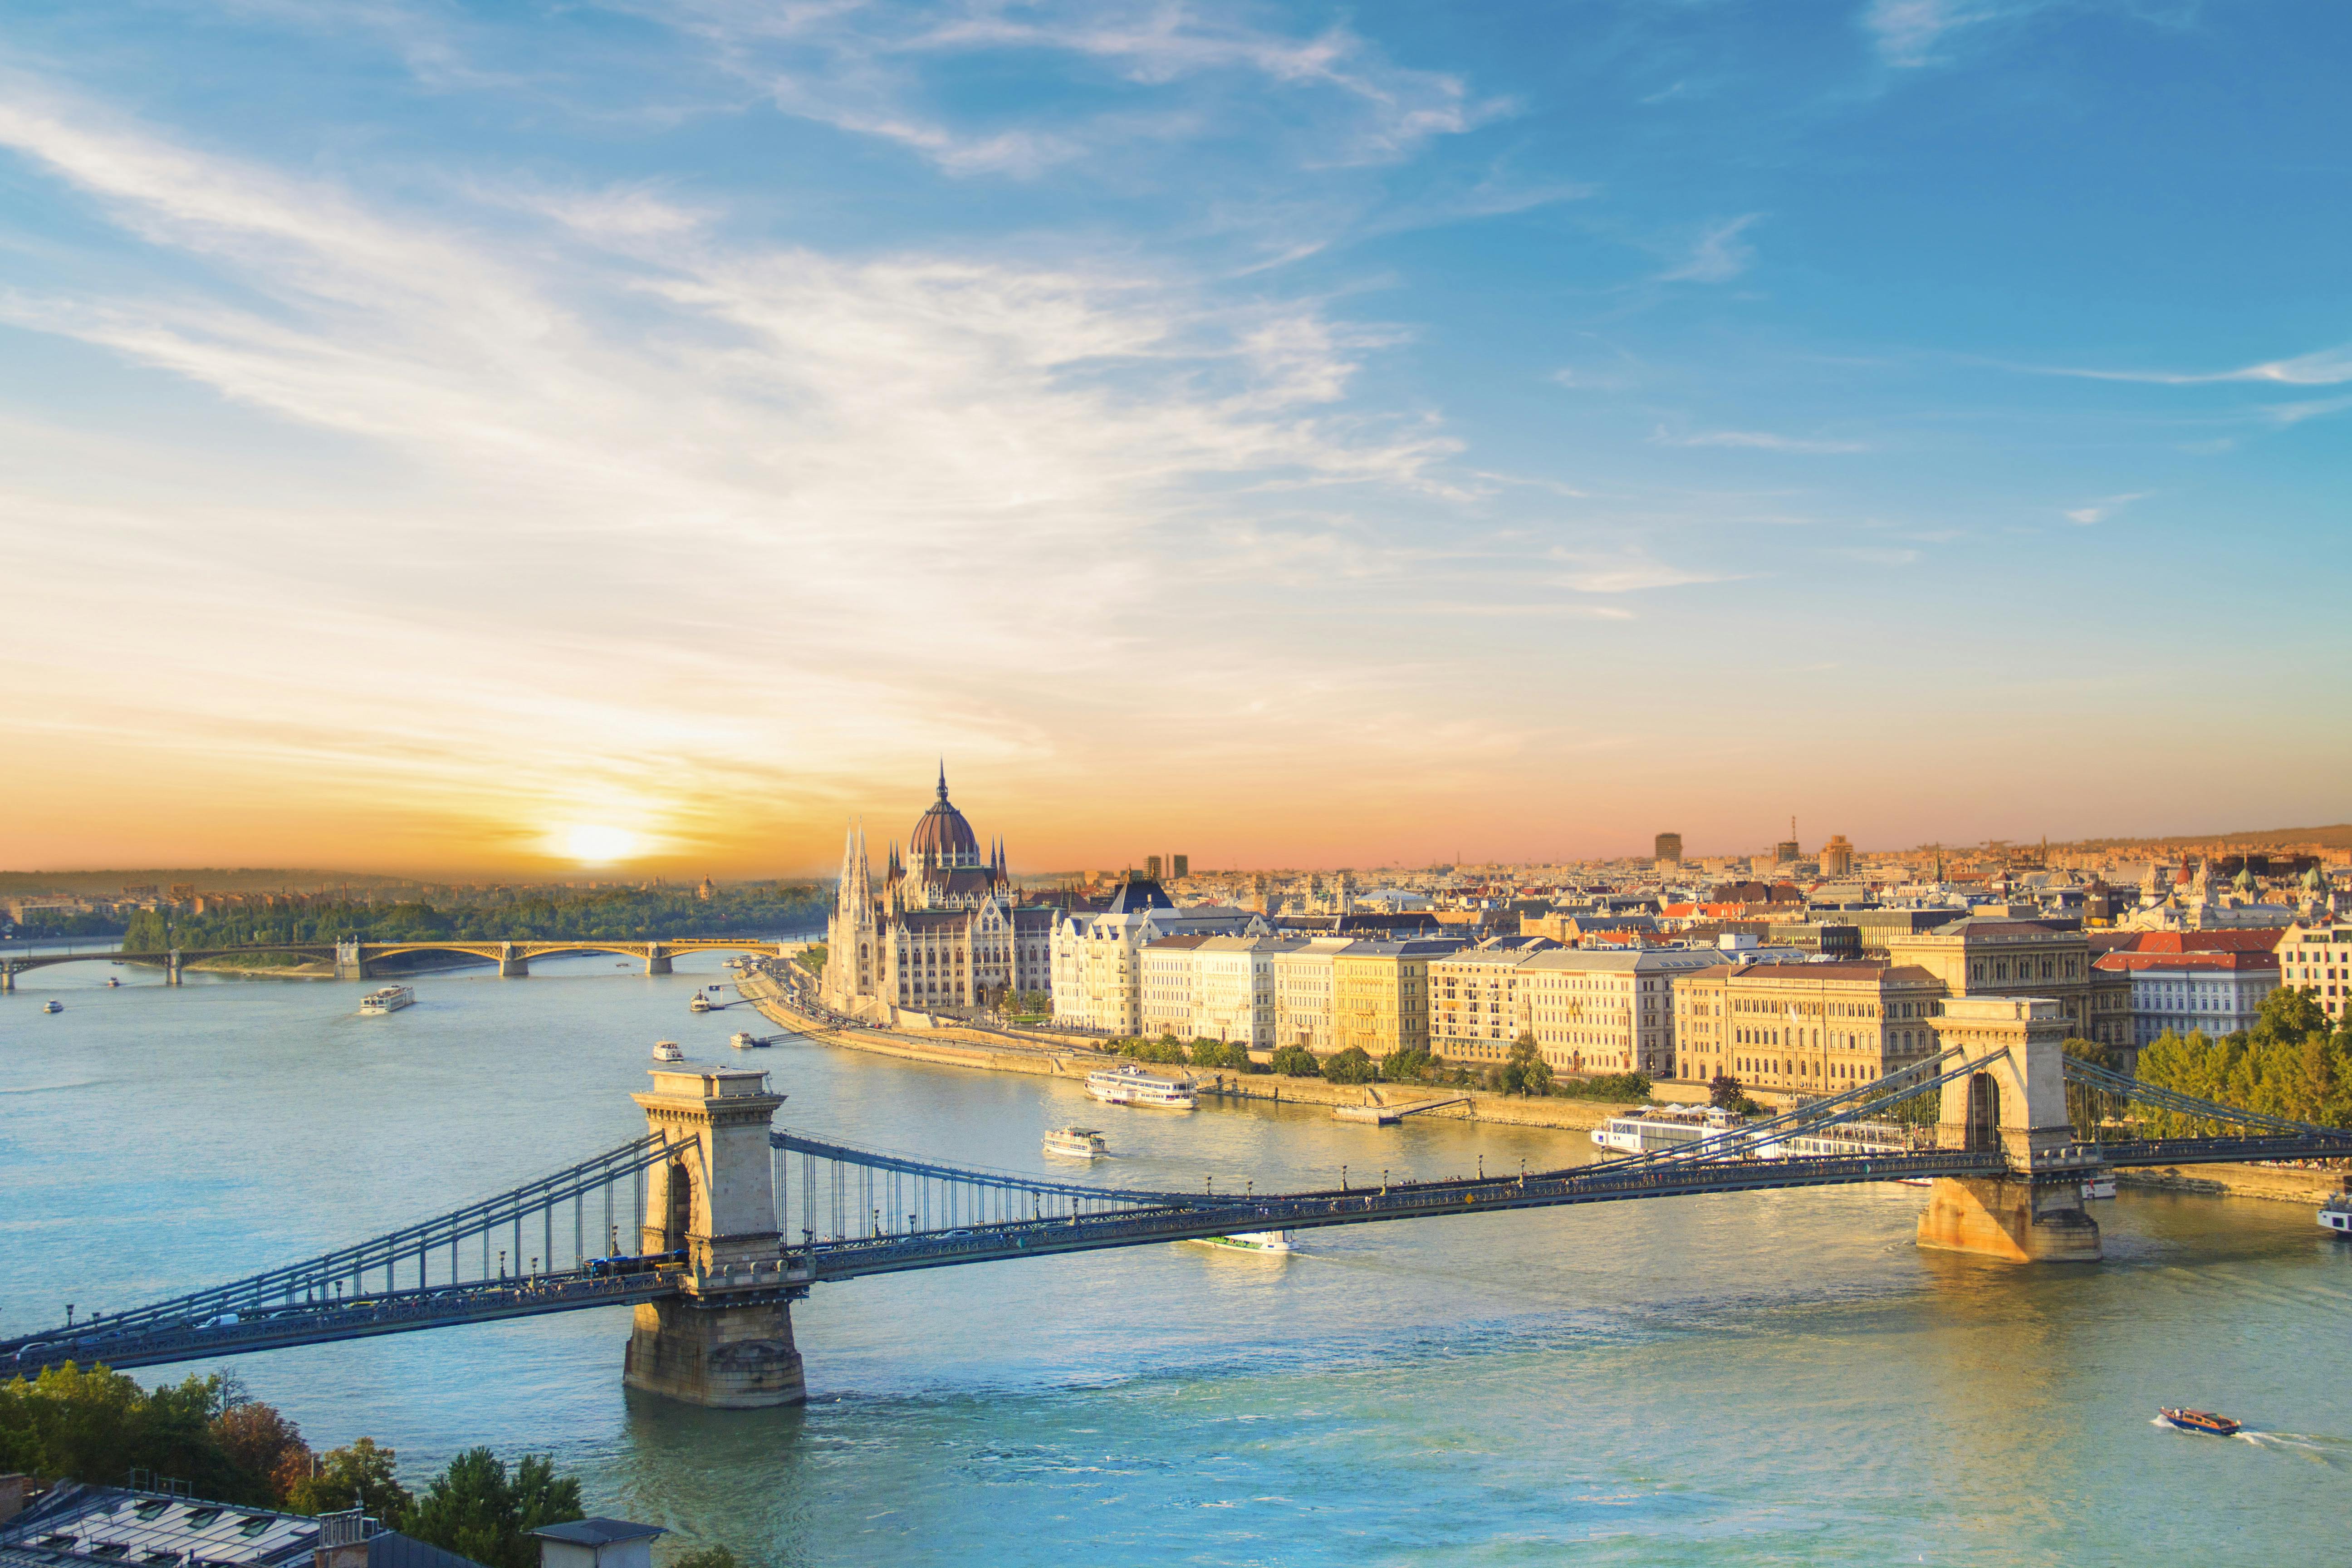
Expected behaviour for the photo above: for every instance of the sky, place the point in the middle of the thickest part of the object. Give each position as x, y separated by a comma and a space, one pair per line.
448, 437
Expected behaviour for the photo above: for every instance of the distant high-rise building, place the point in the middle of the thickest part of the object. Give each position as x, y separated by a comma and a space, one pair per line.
1180, 867
1151, 866
1837, 856
1670, 847
1785, 852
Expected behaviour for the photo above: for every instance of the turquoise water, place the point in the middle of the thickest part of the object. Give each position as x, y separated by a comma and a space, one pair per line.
1757, 1379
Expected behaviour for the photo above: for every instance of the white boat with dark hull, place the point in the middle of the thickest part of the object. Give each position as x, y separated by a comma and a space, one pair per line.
1076, 1143
1654, 1129
2336, 1214
1131, 1085
388, 999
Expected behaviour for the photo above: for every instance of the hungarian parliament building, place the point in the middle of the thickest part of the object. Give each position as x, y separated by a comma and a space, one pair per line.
942, 930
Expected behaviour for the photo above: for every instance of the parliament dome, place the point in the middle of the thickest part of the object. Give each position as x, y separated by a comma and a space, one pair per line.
941, 836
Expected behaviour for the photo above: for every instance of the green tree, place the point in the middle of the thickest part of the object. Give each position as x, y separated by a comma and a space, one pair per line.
1524, 1071
1350, 1066
1406, 1064
262, 1442
476, 1509
95, 1424
361, 1476
1296, 1061
1725, 1092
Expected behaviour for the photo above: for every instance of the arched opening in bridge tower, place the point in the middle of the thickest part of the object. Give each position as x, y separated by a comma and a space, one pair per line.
680, 1218
1984, 1115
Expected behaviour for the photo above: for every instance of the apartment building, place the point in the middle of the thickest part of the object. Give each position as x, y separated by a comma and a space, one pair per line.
1202, 986
1607, 1011
1380, 995
1477, 1009
1302, 993
2318, 958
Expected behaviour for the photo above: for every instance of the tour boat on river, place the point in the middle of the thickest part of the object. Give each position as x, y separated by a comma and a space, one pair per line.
2336, 1214
53, 1006
1130, 1085
1076, 1143
1274, 1242
388, 999
668, 1051
1654, 1128
2203, 1421
700, 1004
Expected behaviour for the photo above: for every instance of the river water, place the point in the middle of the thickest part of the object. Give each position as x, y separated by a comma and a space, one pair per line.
1755, 1379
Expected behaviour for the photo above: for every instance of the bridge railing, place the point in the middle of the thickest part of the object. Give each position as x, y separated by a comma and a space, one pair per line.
839, 1192
353, 1271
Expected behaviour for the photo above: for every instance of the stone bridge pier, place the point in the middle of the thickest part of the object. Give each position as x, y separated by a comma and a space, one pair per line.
348, 964
512, 964
656, 959
172, 968
724, 1339
2014, 1103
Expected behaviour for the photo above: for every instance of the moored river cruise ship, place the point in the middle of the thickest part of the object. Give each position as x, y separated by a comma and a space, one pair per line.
1130, 1085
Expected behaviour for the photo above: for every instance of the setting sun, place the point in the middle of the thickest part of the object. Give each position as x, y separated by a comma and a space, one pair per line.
594, 846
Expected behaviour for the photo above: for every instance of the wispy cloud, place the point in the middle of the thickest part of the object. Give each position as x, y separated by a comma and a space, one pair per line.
1720, 255
1627, 573
1906, 32
2100, 510
1757, 440
2324, 367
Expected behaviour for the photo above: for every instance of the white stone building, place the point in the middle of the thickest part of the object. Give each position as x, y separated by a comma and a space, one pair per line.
1096, 954
1203, 987
1597, 1011
2216, 993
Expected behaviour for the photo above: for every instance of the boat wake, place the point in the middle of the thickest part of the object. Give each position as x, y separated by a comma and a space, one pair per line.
2333, 1452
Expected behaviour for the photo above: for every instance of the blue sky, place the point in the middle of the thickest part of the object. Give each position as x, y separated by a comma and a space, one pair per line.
1364, 434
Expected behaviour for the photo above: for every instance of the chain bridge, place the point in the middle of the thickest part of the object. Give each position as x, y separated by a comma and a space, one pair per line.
358, 960
711, 1224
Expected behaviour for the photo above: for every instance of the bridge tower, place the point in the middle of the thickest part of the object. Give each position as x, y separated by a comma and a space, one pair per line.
2014, 1104
725, 1339
348, 964
172, 968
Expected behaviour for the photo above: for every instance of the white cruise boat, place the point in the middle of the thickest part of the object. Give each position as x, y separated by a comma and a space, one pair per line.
1131, 1085
1076, 1143
389, 999
700, 1004
1275, 1242
1654, 1128
2336, 1214
668, 1051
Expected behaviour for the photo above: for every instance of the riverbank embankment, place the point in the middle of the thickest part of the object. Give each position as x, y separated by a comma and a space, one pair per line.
975, 1049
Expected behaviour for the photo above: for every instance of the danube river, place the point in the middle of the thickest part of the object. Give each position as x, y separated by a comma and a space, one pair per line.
1774, 1378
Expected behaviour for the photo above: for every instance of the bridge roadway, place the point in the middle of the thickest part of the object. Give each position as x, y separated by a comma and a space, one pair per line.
145, 1342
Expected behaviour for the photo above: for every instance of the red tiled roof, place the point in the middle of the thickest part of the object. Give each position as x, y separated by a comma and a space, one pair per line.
2229, 961
2263, 940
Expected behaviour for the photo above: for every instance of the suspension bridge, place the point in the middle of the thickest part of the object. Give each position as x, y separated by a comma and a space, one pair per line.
711, 1224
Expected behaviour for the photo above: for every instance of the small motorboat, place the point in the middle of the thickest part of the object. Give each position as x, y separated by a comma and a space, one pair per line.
700, 1004
114, 983
53, 1006
668, 1051
1076, 1143
2203, 1421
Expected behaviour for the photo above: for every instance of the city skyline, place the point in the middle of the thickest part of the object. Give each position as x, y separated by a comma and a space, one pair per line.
442, 441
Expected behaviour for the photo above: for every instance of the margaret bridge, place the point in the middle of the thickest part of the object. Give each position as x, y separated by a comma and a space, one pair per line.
714, 1222
358, 960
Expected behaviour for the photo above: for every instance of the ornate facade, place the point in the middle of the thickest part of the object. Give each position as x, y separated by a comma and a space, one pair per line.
942, 931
